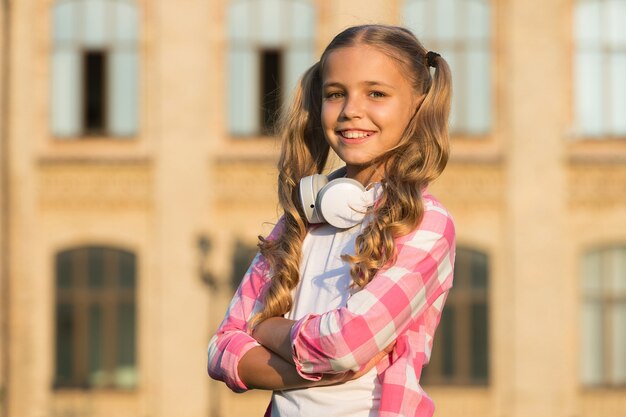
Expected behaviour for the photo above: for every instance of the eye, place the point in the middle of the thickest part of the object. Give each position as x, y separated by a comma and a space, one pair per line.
333, 95
377, 94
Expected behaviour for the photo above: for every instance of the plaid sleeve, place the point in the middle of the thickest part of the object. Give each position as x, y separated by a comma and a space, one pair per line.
232, 339
348, 337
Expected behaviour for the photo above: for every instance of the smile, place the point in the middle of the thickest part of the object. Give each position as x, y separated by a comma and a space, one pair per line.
354, 134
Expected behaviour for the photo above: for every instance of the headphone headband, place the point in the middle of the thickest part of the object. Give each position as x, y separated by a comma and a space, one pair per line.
338, 173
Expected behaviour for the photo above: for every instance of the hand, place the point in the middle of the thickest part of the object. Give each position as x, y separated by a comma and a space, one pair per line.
335, 379
373, 362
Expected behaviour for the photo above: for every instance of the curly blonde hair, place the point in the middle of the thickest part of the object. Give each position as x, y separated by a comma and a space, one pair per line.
419, 158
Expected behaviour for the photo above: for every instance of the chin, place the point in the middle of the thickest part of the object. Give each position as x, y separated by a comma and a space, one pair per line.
357, 160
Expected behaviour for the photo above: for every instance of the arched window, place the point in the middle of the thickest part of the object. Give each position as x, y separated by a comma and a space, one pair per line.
599, 68
95, 318
95, 68
459, 30
603, 317
271, 45
460, 354
243, 255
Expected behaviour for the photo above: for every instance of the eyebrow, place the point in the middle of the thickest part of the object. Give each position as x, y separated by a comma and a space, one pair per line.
368, 83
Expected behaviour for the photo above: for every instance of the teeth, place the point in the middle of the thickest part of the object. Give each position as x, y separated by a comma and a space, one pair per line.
354, 135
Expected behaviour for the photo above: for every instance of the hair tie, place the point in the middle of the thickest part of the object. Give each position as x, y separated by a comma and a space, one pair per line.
430, 58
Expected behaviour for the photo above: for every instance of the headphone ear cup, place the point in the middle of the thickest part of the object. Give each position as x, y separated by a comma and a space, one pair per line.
309, 189
342, 202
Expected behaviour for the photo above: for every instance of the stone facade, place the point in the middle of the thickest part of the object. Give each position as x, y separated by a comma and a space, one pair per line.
527, 194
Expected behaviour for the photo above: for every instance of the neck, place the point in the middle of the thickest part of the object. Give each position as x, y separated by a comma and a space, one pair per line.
364, 174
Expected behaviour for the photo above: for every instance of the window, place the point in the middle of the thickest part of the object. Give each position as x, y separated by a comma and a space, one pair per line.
271, 76
94, 68
460, 353
603, 317
270, 47
95, 318
242, 258
599, 68
459, 30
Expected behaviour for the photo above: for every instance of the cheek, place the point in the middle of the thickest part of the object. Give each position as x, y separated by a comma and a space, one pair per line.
326, 116
327, 124
389, 116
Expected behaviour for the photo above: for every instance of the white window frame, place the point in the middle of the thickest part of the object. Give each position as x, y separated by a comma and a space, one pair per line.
111, 26
599, 66
459, 30
254, 26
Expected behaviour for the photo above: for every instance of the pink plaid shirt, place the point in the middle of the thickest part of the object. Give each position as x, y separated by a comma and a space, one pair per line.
403, 303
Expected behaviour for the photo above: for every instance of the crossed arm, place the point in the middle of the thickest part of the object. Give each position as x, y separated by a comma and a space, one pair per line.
271, 365
262, 359
261, 368
341, 344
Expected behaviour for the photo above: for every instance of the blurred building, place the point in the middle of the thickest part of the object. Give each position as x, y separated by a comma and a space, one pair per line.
137, 169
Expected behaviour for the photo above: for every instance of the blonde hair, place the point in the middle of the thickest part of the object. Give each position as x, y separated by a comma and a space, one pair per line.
419, 158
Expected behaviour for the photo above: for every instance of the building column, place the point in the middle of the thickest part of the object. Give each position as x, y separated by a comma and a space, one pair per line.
536, 79
4, 190
184, 66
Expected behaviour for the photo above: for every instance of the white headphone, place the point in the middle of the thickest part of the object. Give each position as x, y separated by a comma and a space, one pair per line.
339, 201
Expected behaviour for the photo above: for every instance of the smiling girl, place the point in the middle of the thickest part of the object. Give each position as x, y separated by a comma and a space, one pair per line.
338, 318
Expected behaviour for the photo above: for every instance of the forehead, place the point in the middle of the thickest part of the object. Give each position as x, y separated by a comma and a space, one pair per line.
362, 63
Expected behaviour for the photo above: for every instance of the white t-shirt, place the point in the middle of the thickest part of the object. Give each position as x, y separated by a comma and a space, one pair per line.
325, 285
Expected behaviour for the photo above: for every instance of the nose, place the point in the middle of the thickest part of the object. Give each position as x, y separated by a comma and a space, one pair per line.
352, 108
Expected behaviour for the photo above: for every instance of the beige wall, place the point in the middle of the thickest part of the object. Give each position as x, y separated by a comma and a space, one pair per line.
3, 214
527, 194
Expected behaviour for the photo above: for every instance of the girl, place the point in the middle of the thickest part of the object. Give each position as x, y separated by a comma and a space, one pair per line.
340, 321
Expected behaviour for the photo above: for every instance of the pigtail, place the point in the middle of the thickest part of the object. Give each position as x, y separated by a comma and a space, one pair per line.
304, 152
432, 119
